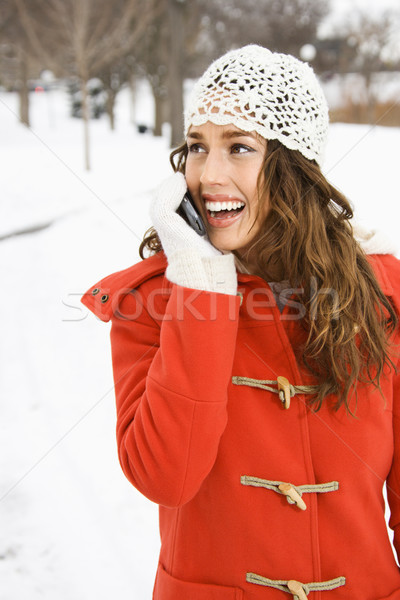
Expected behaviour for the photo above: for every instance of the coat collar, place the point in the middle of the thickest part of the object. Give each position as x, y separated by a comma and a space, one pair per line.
98, 297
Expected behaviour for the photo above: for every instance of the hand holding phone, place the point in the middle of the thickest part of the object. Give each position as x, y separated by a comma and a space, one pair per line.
189, 212
172, 229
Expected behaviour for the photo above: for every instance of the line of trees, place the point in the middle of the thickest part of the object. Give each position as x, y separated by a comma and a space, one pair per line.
165, 41
75, 38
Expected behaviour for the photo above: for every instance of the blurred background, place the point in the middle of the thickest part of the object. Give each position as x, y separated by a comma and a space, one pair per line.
91, 100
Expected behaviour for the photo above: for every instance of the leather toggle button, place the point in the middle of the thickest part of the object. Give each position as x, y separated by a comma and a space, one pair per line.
104, 298
297, 589
288, 490
95, 291
284, 387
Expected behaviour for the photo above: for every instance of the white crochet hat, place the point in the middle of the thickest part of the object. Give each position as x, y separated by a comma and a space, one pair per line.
276, 95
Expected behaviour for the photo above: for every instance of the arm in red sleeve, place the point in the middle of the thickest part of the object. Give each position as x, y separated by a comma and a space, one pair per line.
393, 482
171, 387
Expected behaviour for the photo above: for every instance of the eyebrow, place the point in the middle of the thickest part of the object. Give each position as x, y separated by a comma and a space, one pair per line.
230, 133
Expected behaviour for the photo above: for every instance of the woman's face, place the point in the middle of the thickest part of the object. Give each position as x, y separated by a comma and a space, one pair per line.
222, 169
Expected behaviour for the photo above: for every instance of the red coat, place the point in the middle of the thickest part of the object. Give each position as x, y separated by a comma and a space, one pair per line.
213, 453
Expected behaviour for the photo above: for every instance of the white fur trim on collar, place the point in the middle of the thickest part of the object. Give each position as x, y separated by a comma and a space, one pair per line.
372, 241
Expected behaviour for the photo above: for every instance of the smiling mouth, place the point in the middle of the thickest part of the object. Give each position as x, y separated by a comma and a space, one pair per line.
224, 210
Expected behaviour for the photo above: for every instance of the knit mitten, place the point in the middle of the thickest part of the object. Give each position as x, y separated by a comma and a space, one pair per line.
193, 261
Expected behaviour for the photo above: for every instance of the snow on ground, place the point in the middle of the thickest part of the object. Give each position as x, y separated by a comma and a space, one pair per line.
71, 526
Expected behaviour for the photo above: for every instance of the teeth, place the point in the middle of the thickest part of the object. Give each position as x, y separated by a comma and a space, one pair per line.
217, 206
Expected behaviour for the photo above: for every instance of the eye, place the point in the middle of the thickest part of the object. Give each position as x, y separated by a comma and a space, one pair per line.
195, 148
240, 149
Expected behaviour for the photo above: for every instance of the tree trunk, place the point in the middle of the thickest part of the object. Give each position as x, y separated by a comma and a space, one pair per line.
23, 89
132, 103
85, 119
175, 70
370, 99
111, 96
159, 105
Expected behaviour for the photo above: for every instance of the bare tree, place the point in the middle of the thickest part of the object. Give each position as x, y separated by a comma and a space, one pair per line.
175, 68
164, 58
153, 64
17, 60
280, 25
364, 46
82, 38
369, 35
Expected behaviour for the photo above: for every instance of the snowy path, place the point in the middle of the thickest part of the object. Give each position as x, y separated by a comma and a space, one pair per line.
71, 526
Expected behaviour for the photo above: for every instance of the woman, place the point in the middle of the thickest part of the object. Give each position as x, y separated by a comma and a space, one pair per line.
255, 369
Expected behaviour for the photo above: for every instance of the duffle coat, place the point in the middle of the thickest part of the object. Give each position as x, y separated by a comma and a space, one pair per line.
261, 498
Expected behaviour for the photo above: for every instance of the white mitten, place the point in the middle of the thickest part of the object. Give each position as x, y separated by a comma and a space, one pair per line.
193, 261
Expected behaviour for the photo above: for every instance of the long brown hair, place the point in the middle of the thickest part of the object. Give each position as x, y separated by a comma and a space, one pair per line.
308, 232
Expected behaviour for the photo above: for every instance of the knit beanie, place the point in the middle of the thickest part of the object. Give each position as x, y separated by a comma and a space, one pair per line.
276, 95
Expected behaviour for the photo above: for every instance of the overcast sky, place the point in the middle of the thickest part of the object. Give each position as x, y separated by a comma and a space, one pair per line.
340, 6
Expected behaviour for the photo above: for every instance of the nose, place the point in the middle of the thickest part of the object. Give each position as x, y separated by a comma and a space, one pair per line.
214, 170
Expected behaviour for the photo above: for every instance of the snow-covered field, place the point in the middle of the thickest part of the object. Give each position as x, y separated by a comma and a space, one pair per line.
71, 526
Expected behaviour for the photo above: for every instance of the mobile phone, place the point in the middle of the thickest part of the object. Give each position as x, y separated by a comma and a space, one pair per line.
189, 212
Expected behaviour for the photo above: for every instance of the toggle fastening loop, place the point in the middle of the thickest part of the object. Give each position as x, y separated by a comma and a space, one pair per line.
292, 492
295, 587
284, 388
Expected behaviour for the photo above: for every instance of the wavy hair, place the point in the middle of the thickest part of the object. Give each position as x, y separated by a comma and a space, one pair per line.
308, 232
